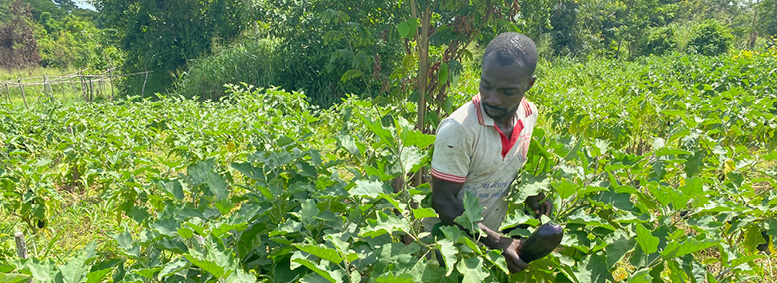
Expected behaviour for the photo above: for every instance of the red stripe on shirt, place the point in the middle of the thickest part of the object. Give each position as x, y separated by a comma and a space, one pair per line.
476, 102
448, 177
527, 108
508, 144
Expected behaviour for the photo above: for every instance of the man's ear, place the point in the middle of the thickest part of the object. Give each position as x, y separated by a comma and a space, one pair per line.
531, 82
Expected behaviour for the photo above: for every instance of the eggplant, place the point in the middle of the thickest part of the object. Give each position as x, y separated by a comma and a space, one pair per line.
542, 242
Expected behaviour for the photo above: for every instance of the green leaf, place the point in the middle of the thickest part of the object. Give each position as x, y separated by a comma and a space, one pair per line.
771, 156
172, 187
350, 74
166, 226
207, 265
309, 211
404, 29
472, 213
255, 173
694, 164
172, 267
384, 223
298, 259
412, 137
472, 269
753, 238
646, 241
531, 186
594, 270
641, 276
449, 252
321, 252
691, 245
410, 157
745, 259
496, 258
370, 189
98, 276
442, 74
202, 172
565, 188
658, 143
139, 214
14, 278
75, 269
617, 249
693, 188
424, 212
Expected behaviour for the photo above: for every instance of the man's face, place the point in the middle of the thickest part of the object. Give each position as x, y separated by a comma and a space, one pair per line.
502, 87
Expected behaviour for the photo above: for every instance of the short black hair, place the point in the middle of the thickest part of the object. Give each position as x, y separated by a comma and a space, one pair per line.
511, 47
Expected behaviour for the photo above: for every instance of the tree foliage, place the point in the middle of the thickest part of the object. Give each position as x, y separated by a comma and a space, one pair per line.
17, 41
710, 38
161, 36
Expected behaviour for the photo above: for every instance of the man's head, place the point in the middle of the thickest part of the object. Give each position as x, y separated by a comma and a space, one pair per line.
508, 73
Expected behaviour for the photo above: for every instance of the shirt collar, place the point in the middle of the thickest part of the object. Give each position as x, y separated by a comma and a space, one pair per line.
523, 111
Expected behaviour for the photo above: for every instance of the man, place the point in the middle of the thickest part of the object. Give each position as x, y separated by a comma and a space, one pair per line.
483, 144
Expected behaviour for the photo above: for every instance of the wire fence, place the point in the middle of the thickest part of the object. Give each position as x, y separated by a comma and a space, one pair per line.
86, 86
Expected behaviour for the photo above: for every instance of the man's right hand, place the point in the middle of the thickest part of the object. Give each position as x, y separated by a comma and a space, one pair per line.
510, 252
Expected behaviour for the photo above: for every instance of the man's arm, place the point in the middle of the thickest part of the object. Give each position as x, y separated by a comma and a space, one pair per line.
448, 207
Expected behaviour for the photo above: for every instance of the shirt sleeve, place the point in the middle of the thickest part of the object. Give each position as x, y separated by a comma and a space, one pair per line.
452, 152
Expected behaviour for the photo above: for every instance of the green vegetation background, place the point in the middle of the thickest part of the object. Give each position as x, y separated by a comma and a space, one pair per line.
657, 142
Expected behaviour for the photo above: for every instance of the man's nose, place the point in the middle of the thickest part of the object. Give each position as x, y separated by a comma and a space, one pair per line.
492, 99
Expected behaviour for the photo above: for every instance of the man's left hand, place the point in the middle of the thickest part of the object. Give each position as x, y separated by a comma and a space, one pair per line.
539, 207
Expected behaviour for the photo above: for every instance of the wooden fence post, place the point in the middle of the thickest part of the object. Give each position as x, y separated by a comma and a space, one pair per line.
7, 93
21, 247
48, 85
143, 90
102, 84
91, 90
83, 89
19, 80
110, 80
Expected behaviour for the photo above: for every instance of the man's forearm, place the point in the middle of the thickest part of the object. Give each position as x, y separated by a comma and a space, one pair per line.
493, 239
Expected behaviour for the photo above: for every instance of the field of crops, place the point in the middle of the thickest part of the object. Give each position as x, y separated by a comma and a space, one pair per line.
661, 169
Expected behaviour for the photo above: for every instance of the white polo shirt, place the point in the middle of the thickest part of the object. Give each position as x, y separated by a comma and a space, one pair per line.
471, 150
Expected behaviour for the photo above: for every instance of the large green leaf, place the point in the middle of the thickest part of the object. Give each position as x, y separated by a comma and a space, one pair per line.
298, 259
172, 187
646, 241
371, 189
530, 186
641, 276
202, 172
172, 267
98, 276
565, 188
448, 252
472, 270
384, 223
208, 265
76, 269
321, 252
678, 249
617, 249
472, 213
753, 238
14, 278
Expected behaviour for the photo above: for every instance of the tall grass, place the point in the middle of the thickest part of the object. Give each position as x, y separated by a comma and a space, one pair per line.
251, 62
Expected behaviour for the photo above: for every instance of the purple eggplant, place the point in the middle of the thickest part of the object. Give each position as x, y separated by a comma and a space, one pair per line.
541, 243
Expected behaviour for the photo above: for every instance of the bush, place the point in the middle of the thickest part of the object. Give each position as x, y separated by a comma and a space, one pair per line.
710, 38
660, 41
253, 63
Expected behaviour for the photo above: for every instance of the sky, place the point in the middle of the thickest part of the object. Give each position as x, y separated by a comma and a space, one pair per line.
82, 4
